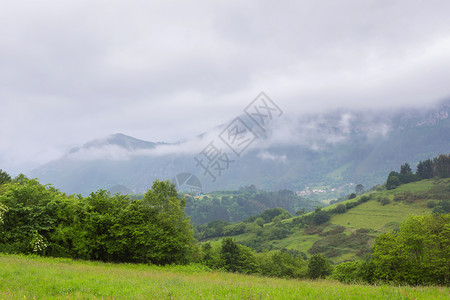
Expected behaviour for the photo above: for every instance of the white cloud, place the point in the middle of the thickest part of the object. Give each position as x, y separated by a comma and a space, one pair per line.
265, 155
72, 71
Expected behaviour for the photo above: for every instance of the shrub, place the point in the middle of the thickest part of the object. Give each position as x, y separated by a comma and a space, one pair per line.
363, 199
319, 266
393, 180
341, 208
40, 219
385, 201
431, 204
235, 229
348, 272
237, 258
282, 264
321, 217
349, 205
417, 254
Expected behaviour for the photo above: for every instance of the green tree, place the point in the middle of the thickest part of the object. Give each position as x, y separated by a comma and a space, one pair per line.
359, 188
393, 180
405, 169
301, 212
174, 237
319, 266
4, 177
425, 169
354, 271
442, 166
230, 256
39, 219
348, 272
208, 256
282, 264
30, 212
237, 258
417, 254
341, 208
321, 217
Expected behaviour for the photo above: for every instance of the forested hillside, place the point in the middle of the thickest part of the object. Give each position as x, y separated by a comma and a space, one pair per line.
234, 206
324, 151
348, 228
397, 233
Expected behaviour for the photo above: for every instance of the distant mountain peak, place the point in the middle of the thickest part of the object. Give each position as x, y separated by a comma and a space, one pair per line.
121, 140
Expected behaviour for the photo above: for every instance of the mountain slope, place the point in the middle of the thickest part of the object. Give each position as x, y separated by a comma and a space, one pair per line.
327, 150
348, 235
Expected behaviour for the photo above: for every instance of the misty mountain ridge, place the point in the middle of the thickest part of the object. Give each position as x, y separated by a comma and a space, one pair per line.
328, 149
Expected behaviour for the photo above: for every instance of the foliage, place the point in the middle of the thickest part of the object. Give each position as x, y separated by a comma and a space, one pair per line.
393, 180
4, 177
417, 254
438, 166
354, 271
222, 228
282, 264
40, 219
321, 217
341, 208
347, 272
235, 206
319, 266
359, 189
237, 258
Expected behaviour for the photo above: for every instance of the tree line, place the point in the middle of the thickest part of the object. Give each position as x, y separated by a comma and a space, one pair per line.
436, 167
39, 219
235, 206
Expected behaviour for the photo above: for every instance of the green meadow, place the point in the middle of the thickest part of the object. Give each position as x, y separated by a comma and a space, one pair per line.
31, 277
373, 216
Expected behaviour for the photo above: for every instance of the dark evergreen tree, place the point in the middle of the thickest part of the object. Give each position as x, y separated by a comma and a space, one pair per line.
425, 169
406, 175
229, 255
405, 169
4, 177
442, 166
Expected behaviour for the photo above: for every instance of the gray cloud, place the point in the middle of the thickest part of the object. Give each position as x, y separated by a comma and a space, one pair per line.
72, 71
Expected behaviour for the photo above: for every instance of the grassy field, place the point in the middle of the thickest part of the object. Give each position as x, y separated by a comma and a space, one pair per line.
24, 277
369, 215
376, 216
381, 217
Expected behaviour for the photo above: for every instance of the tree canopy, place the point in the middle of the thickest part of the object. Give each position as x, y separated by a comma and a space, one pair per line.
40, 219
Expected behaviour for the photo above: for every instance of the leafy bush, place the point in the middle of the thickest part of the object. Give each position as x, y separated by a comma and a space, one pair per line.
237, 258
235, 229
349, 205
321, 217
282, 264
431, 204
417, 254
363, 199
40, 219
348, 272
385, 201
341, 208
393, 180
319, 266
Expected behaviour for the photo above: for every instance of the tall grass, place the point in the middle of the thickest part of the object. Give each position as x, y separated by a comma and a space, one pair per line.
28, 277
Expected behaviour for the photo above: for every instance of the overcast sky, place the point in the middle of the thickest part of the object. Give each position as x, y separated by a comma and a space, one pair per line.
72, 71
